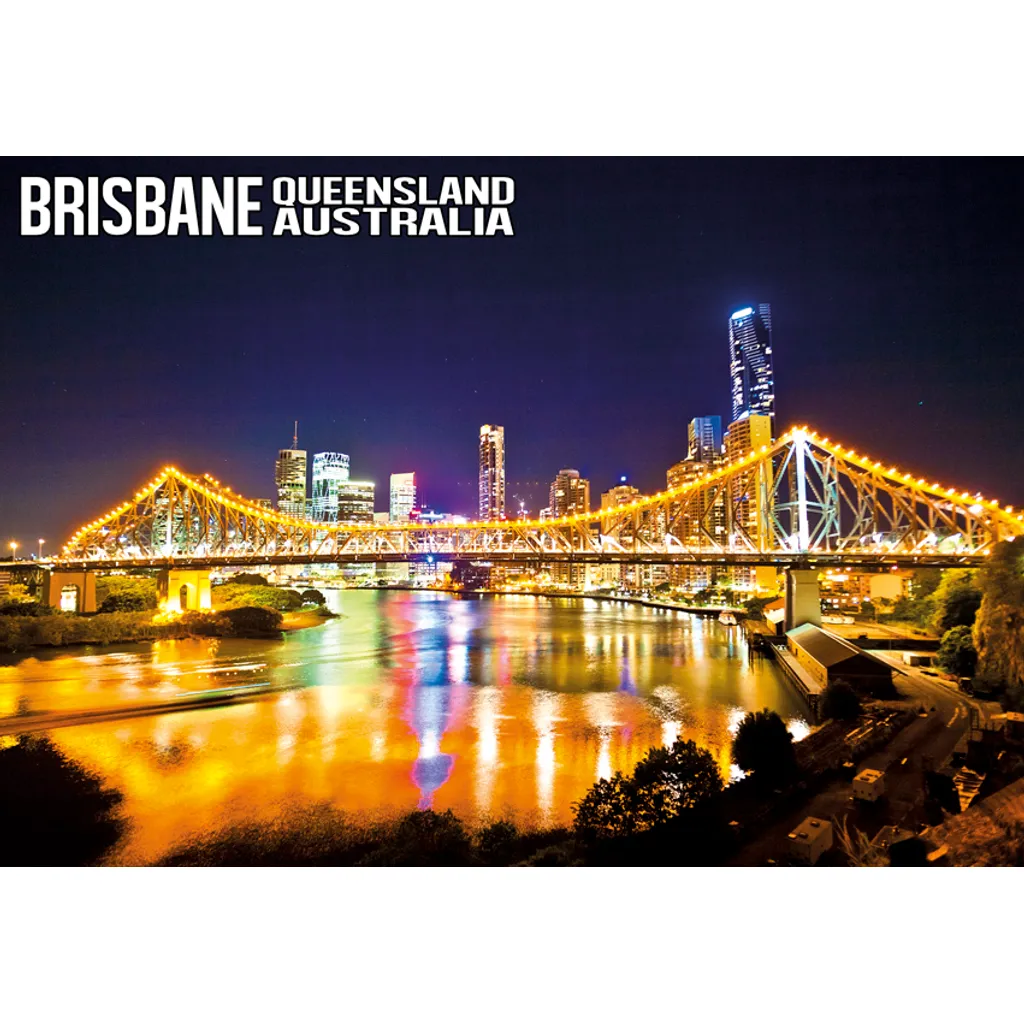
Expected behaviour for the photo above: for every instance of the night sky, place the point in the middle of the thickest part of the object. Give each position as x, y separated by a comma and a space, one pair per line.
593, 335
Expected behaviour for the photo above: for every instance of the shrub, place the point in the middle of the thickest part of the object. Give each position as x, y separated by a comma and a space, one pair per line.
53, 811
251, 621
424, 839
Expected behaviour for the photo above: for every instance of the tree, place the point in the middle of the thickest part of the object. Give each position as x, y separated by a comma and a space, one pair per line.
956, 653
312, 596
250, 579
868, 608
754, 606
999, 627
670, 781
606, 810
840, 701
956, 600
126, 593
53, 811
764, 745
667, 783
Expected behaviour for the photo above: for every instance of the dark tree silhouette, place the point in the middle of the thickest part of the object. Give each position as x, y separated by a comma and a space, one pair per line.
52, 812
667, 783
763, 745
840, 701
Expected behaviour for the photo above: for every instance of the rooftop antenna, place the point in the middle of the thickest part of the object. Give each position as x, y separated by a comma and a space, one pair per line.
295, 437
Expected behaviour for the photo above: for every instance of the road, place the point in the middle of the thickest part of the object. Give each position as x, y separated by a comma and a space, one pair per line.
927, 740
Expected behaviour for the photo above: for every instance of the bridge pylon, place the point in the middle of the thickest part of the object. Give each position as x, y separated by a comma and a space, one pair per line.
184, 590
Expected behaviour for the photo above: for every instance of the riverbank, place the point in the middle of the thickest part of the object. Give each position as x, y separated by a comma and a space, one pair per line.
706, 610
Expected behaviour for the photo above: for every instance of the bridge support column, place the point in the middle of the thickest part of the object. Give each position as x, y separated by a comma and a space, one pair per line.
70, 591
803, 598
184, 590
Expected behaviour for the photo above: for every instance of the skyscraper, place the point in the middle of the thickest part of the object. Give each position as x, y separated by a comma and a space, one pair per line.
750, 362
492, 472
330, 470
704, 439
355, 501
290, 478
569, 494
403, 496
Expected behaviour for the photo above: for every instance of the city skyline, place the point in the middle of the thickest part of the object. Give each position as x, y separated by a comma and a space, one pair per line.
594, 336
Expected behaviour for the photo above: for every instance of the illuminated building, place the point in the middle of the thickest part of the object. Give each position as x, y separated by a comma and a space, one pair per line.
330, 470
403, 496
492, 472
290, 478
623, 494
704, 439
750, 362
355, 501
745, 435
569, 496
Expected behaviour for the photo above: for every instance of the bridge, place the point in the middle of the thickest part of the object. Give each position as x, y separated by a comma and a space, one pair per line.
803, 503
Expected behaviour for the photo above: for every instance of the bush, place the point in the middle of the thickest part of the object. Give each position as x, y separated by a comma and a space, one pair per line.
30, 609
250, 579
232, 595
497, 842
763, 745
53, 811
424, 839
126, 593
956, 653
840, 701
251, 621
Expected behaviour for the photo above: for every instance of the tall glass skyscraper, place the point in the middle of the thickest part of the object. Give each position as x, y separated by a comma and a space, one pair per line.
750, 362
492, 472
290, 478
330, 471
704, 439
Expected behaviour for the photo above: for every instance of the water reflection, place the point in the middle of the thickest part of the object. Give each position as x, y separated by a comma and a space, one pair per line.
490, 706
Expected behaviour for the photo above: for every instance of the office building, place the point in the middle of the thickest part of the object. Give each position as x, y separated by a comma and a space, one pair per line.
290, 478
569, 494
750, 362
403, 496
696, 521
355, 501
623, 494
704, 439
492, 472
330, 470
747, 434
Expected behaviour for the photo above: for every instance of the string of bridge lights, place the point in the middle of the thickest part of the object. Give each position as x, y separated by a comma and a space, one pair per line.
224, 495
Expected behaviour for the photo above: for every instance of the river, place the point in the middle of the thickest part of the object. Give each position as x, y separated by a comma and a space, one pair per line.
493, 706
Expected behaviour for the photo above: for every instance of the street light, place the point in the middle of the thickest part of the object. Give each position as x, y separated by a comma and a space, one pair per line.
41, 543
14, 550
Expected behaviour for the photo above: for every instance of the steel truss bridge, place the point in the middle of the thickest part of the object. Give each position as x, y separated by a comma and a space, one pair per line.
803, 501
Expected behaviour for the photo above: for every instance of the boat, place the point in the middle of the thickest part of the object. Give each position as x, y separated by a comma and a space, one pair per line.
727, 618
